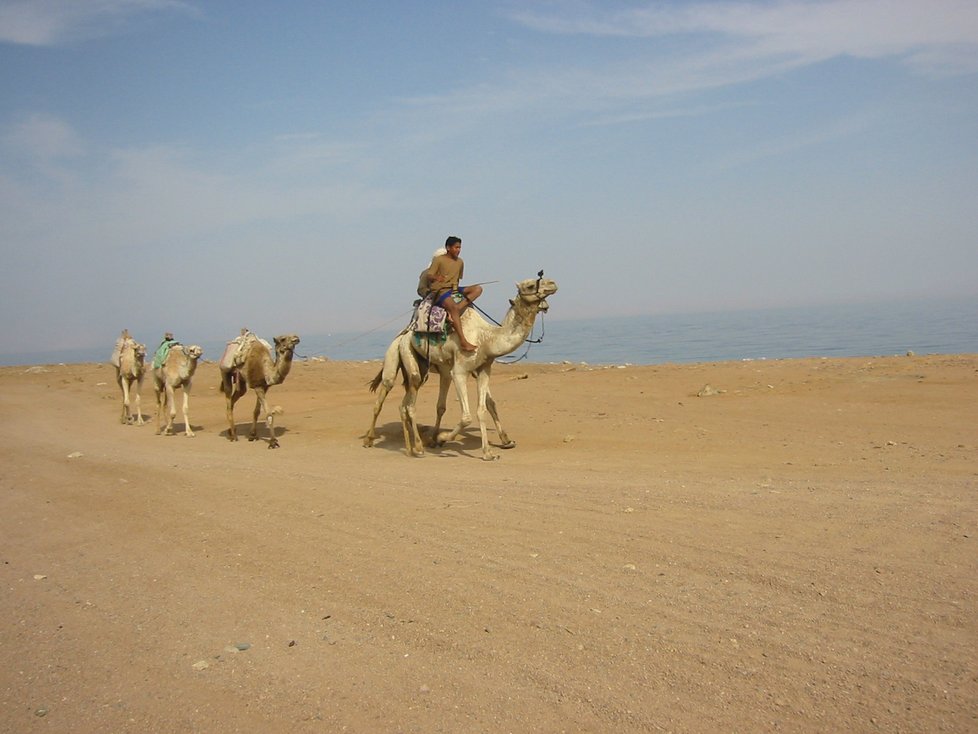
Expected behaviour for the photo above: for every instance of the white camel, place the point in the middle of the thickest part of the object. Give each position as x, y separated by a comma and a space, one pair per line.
177, 371
411, 354
128, 360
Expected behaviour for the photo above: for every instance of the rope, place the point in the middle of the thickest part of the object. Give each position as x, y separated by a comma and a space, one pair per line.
369, 331
528, 341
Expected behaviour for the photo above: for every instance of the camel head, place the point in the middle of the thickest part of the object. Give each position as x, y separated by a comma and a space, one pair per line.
286, 343
535, 291
193, 352
139, 350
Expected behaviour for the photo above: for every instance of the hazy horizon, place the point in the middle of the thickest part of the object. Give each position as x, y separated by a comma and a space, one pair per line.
197, 167
854, 328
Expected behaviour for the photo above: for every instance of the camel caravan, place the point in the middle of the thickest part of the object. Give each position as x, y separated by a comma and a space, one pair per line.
431, 341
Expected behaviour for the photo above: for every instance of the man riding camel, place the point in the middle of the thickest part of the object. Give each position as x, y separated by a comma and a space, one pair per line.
443, 279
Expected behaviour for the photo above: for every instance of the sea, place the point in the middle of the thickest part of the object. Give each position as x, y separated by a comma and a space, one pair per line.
852, 330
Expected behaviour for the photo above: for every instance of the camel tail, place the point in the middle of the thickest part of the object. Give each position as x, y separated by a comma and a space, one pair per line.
375, 383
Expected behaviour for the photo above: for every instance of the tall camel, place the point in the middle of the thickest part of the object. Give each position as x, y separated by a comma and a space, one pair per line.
254, 368
412, 355
177, 371
128, 360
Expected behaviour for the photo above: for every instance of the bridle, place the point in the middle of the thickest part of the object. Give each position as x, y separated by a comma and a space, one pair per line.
536, 297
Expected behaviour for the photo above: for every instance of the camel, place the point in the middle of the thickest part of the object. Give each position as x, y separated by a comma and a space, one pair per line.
253, 367
127, 358
176, 371
412, 356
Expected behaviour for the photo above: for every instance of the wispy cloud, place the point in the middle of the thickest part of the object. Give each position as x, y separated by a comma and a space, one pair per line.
680, 49
938, 35
795, 141
42, 137
55, 22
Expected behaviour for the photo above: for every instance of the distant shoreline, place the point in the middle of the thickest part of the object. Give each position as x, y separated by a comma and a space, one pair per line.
922, 327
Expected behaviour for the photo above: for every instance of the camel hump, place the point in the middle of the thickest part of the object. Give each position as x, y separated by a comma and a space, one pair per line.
237, 349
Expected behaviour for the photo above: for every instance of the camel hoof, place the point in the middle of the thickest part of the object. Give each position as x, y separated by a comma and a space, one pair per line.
252, 438
508, 445
273, 444
489, 456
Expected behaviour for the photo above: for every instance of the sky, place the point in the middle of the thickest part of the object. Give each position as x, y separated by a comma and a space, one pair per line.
199, 166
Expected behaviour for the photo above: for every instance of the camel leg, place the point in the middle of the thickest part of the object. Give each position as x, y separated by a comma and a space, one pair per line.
371, 436
233, 389
505, 441
124, 384
458, 378
171, 405
392, 360
139, 407
259, 405
409, 423
186, 411
482, 381
270, 422
412, 445
160, 407
444, 382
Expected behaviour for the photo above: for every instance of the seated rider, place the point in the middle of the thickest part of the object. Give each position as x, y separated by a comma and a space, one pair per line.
443, 278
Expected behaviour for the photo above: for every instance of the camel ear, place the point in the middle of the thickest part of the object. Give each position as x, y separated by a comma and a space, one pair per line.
512, 302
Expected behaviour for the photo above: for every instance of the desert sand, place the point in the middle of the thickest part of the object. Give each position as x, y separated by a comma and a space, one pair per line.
746, 546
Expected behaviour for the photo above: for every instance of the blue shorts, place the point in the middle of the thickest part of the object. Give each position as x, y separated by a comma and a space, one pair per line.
456, 296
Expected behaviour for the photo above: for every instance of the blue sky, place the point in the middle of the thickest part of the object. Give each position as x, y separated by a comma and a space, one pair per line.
202, 166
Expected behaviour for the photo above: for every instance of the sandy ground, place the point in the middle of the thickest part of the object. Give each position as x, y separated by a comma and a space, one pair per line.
797, 551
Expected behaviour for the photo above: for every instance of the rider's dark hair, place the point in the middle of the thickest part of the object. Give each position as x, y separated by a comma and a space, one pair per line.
453, 240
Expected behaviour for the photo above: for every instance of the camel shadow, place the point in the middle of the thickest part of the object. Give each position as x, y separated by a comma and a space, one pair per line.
242, 429
390, 437
179, 429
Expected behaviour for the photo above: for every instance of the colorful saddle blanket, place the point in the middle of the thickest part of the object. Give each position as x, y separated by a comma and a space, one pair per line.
429, 318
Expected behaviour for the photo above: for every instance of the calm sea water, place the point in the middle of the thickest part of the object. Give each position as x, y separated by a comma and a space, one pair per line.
924, 327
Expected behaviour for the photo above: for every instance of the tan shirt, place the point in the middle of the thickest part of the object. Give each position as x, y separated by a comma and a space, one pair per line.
450, 270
